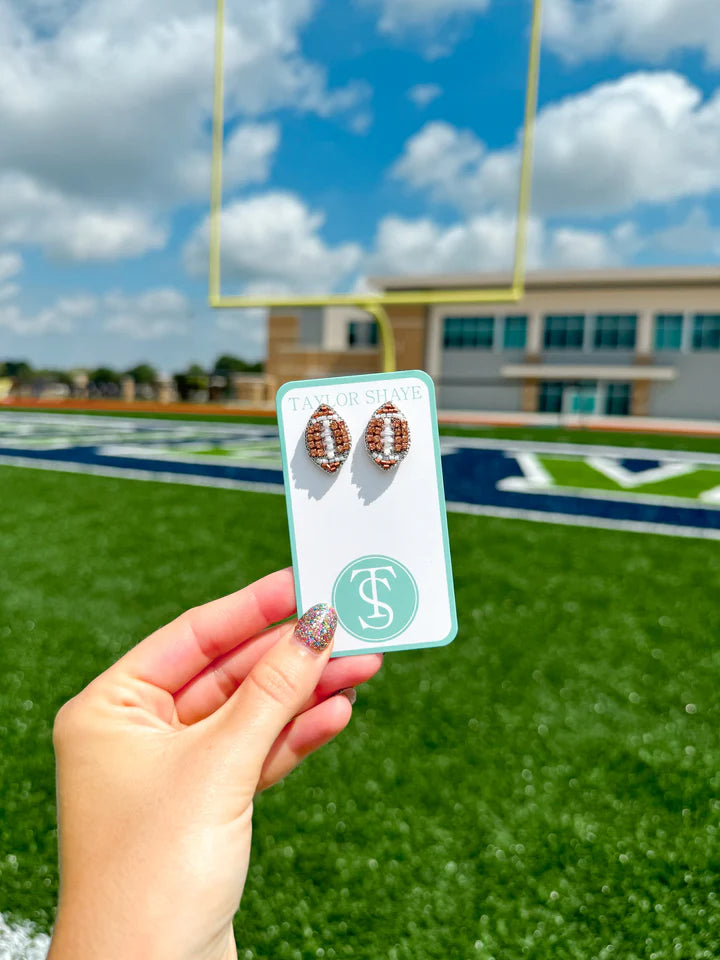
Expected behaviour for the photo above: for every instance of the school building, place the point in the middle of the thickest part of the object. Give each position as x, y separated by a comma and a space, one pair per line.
640, 342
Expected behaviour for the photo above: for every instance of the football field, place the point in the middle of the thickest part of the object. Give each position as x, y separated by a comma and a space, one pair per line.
546, 786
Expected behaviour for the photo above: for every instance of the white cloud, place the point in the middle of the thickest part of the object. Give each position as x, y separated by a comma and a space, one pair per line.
486, 242
397, 15
362, 122
423, 94
438, 156
123, 91
10, 265
248, 325
273, 243
79, 306
72, 228
424, 246
150, 316
646, 138
8, 291
695, 236
104, 107
247, 158
575, 248
579, 29
49, 320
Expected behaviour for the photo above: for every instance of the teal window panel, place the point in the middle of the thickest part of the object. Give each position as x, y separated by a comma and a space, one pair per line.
363, 333
564, 331
469, 333
706, 331
618, 398
551, 396
515, 333
615, 331
668, 331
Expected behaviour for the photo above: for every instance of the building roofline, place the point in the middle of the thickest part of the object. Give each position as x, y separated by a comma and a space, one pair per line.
554, 279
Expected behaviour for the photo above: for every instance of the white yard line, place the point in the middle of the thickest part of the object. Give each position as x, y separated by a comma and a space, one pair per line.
247, 456
711, 497
129, 424
22, 942
535, 475
537, 479
522, 485
629, 479
193, 480
451, 444
571, 520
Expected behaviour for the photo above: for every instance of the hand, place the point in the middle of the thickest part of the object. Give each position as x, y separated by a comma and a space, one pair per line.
158, 761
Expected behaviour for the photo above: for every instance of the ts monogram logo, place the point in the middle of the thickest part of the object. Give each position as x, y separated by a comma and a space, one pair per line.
381, 611
376, 598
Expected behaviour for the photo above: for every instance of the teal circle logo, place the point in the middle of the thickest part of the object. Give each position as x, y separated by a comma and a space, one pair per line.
376, 598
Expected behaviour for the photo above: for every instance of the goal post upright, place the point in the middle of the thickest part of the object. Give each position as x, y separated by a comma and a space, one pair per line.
375, 304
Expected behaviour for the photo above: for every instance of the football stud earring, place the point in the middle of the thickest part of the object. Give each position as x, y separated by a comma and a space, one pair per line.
387, 436
327, 439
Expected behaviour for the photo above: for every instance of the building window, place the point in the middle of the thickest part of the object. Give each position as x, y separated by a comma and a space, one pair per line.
362, 333
564, 333
581, 397
469, 333
668, 331
551, 396
617, 399
706, 331
615, 331
584, 397
515, 333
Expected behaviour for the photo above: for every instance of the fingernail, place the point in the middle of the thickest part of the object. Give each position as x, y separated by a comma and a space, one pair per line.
350, 693
316, 627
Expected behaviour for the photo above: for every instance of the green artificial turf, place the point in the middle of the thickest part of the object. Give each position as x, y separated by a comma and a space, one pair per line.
576, 473
567, 472
256, 452
548, 786
217, 452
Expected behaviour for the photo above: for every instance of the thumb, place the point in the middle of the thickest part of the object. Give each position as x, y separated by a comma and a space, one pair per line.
278, 686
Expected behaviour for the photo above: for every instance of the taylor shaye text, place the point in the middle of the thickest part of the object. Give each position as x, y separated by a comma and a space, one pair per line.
352, 398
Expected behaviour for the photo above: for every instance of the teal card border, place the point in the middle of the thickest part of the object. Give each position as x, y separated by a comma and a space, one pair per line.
370, 378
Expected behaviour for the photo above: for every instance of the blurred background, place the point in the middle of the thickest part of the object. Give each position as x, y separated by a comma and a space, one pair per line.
548, 784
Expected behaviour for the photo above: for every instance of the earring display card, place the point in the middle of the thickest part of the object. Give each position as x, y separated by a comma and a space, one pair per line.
371, 541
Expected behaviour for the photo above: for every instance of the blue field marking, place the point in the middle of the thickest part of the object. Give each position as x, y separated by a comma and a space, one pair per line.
472, 476
492, 477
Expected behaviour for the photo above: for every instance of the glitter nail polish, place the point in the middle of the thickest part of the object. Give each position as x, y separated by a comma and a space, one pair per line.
316, 628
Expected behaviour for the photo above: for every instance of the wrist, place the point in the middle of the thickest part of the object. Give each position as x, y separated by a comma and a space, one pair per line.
86, 933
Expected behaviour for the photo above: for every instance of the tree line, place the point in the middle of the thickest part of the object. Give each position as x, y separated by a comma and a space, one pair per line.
194, 377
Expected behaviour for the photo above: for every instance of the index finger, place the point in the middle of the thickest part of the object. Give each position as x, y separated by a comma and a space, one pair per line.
174, 654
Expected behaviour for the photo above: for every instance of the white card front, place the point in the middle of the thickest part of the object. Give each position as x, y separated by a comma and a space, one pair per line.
370, 539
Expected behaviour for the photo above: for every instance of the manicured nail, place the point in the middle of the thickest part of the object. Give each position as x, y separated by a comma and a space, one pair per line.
316, 627
350, 693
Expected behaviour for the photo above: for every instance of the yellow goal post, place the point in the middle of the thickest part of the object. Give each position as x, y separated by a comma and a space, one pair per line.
375, 303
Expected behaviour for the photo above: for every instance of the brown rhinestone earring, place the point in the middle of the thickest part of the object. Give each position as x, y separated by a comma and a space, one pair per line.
387, 436
327, 439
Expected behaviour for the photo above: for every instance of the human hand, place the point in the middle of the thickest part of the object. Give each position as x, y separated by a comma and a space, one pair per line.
158, 761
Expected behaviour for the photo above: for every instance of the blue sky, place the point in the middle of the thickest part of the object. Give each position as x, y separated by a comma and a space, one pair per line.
364, 137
